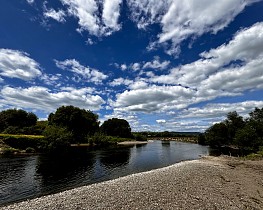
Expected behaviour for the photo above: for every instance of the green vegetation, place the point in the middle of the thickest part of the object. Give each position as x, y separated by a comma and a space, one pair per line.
116, 127
68, 125
79, 122
236, 132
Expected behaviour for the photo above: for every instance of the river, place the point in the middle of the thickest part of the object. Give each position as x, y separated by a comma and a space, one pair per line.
28, 177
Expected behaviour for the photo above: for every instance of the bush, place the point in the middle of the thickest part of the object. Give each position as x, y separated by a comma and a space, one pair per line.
139, 137
30, 150
22, 142
9, 151
57, 139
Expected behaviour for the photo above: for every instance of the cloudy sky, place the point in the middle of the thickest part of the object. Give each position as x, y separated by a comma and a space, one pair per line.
162, 65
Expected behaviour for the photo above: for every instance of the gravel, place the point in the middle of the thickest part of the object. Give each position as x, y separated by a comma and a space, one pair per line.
208, 183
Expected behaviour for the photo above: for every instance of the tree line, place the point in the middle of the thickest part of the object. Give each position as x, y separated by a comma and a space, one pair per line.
67, 125
235, 131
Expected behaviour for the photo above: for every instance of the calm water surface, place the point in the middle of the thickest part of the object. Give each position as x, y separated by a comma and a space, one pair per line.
22, 178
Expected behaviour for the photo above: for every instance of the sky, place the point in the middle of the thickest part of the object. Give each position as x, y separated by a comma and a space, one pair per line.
167, 65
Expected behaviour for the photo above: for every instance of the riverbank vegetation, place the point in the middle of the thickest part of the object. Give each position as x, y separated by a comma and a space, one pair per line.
245, 135
21, 132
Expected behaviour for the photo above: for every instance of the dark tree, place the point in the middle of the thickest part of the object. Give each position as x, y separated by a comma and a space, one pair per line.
217, 135
16, 118
79, 122
116, 127
234, 122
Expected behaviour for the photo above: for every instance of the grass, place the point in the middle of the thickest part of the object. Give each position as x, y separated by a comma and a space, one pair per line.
16, 143
21, 136
255, 156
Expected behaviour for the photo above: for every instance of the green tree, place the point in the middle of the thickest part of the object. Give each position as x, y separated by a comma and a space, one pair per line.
79, 122
234, 122
16, 118
57, 139
247, 138
116, 127
216, 135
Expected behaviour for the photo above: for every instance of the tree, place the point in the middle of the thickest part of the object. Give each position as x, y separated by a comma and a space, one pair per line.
116, 127
216, 135
234, 122
16, 118
246, 138
79, 122
57, 139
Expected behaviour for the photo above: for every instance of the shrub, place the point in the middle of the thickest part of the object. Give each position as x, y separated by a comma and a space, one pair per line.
9, 151
30, 150
57, 139
139, 137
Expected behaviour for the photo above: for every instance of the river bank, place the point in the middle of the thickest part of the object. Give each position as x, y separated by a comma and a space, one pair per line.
208, 183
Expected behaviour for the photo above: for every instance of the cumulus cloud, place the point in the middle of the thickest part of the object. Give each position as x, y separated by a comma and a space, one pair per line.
89, 17
135, 66
156, 64
111, 13
18, 64
147, 12
41, 98
161, 121
30, 1
154, 98
228, 70
181, 20
56, 15
93, 75
185, 19
231, 68
120, 81
123, 67
217, 110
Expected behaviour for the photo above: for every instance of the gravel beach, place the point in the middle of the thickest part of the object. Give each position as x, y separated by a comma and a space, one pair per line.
208, 183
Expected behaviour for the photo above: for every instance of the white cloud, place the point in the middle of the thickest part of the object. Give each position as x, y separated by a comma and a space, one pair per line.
146, 12
135, 66
41, 98
192, 18
138, 84
120, 81
154, 99
18, 64
111, 13
89, 41
50, 79
30, 1
156, 64
161, 121
85, 11
181, 20
229, 69
56, 15
90, 18
93, 75
219, 110
123, 67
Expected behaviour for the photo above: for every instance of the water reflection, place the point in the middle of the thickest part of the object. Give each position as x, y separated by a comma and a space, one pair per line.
28, 177
115, 158
166, 143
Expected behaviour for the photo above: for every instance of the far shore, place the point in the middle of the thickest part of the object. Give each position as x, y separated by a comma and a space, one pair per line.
208, 183
180, 139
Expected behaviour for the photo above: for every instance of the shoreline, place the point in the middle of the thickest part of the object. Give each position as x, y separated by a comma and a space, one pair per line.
208, 183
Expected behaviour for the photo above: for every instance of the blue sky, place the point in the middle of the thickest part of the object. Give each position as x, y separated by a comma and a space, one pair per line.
162, 65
